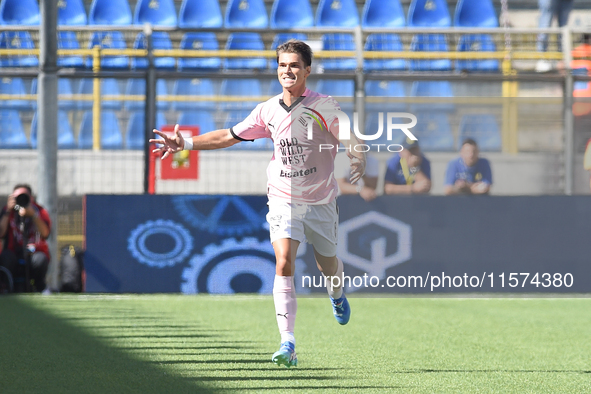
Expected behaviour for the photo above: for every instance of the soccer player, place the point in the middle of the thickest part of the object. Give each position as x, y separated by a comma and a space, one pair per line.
301, 185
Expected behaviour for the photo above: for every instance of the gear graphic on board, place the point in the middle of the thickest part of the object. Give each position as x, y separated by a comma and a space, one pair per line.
137, 245
223, 215
246, 266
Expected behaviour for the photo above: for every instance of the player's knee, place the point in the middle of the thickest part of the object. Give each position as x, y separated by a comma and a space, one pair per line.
283, 265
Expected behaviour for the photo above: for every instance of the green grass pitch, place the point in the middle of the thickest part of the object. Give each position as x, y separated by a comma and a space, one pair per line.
223, 344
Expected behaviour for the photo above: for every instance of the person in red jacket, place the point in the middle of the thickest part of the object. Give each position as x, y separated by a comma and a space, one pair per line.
24, 228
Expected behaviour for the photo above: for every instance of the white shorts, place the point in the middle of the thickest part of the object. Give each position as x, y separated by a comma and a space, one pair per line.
315, 224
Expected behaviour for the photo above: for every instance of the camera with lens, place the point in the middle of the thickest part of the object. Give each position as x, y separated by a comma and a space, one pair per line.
22, 200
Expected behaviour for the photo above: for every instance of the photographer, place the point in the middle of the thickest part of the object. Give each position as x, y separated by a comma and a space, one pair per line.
24, 227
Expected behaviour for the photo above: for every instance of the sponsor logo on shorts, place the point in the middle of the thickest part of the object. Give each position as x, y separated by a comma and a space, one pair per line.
296, 174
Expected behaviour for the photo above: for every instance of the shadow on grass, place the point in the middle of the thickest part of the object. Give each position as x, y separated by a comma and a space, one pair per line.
45, 354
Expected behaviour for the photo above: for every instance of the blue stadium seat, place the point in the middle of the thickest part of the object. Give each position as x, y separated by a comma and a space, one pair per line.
338, 42
283, 38
194, 87
241, 87
160, 40
17, 40
383, 13
12, 134
109, 39
428, 13
137, 86
65, 134
246, 13
135, 134
337, 13
235, 117
203, 119
155, 12
433, 130
14, 86
64, 88
475, 13
252, 41
375, 89
430, 43
484, 129
200, 13
479, 43
384, 42
274, 88
68, 40
339, 89
109, 12
432, 89
109, 86
580, 85
287, 14
19, 12
110, 132
207, 41
71, 13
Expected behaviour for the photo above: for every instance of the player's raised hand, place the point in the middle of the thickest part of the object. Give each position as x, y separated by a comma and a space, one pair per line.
169, 143
357, 167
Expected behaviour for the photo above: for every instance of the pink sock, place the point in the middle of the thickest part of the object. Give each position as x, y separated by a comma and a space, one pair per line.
285, 306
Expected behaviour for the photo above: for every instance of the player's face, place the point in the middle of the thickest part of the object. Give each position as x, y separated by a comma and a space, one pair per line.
469, 154
291, 71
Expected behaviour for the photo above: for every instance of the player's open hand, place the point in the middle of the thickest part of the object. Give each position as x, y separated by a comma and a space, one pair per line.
357, 167
169, 143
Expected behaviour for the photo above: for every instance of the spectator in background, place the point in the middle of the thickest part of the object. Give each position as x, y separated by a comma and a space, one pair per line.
366, 186
548, 10
409, 171
24, 227
468, 174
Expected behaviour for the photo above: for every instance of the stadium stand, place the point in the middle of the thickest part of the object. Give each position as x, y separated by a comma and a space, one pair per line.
155, 12
206, 41
65, 136
431, 43
240, 87
429, 13
484, 129
337, 13
246, 13
384, 89
19, 12
16, 87
342, 89
109, 39
110, 12
137, 86
203, 119
68, 40
200, 13
432, 89
110, 132
475, 13
384, 42
383, 13
473, 43
109, 86
160, 40
64, 88
71, 13
12, 134
135, 135
17, 40
434, 131
194, 87
291, 13
251, 41
338, 42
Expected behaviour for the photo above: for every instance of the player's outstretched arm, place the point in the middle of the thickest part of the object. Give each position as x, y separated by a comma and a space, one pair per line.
217, 139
